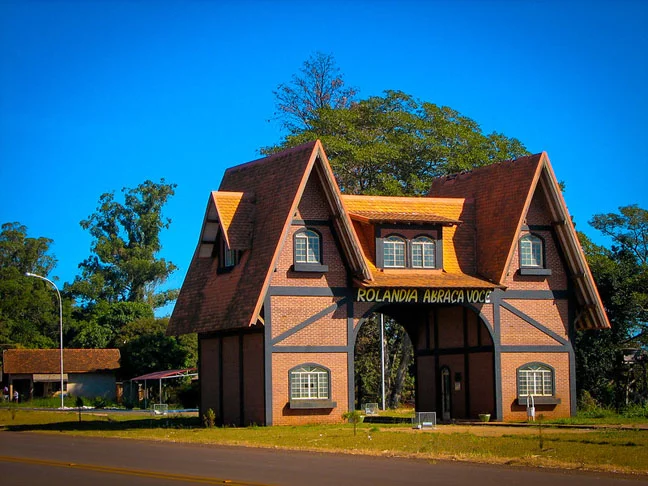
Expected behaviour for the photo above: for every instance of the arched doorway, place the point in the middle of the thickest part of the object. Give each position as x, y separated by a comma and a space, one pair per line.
454, 357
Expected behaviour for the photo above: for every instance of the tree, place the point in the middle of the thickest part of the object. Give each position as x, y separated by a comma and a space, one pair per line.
395, 145
146, 348
28, 308
319, 85
124, 265
621, 275
100, 324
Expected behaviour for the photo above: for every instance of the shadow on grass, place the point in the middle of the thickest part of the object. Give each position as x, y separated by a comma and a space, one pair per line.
108, 424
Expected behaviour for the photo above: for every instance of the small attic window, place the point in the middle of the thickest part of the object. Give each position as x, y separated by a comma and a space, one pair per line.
307, 251
532, 256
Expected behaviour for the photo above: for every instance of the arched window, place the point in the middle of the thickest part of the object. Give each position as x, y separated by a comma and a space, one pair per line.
535, 379
531, 251
309, 382
307, 247
423, 252
394, 252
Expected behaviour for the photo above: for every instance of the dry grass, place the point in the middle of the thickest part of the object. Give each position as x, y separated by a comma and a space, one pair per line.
611, 450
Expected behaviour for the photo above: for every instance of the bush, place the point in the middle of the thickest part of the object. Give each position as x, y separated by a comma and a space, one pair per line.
99, 402
636, 411
209, 419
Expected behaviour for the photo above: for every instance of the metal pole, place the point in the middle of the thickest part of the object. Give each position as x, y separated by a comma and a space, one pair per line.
60, 325
382, 357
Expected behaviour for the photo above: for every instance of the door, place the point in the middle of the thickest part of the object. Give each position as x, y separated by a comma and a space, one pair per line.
446, 397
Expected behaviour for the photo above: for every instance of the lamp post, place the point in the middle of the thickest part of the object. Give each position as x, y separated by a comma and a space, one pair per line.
60, 324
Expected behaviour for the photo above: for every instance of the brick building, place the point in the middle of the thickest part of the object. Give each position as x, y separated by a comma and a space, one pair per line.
485, 274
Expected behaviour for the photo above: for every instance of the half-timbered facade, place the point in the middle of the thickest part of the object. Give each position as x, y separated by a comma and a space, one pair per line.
485, 274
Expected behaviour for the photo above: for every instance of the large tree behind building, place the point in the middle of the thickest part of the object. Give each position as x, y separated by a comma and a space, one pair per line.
319, 84
392, 144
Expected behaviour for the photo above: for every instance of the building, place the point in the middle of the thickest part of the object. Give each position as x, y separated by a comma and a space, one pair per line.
87, 373
486, 275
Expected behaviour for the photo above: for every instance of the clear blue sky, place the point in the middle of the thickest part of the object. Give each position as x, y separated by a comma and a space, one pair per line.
99, 95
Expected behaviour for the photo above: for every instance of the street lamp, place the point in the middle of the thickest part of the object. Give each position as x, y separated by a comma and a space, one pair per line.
60, 324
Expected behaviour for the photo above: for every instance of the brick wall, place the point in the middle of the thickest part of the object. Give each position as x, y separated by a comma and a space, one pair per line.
282, 363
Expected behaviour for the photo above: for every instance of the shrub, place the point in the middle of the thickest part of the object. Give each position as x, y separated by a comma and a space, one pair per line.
99, 402
354, 417
209, 419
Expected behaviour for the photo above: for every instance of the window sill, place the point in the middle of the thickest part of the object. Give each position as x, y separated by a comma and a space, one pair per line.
535, 271
305, 404
539, 401
310, 267
221, 270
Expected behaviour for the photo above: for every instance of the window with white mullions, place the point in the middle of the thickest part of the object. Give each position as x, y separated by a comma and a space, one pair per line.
394, 252
309, 383
535, 380
307, 247
531, 251
423, 252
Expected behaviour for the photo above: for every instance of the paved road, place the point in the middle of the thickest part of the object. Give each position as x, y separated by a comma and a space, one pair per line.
27, 458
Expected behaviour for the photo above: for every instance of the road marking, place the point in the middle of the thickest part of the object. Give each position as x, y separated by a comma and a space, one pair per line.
129, 472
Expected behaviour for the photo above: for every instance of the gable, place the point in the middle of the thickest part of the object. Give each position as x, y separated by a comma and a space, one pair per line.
501, 192
210, 300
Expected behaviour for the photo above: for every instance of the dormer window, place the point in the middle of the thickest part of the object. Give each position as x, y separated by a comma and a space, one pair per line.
407, 249
308, 251
227, 258
394, 252
532, 256
423, 252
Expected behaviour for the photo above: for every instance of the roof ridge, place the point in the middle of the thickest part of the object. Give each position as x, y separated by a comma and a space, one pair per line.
475, 170
271, 157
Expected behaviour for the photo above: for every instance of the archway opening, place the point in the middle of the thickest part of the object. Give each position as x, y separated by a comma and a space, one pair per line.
448, 366
395, 386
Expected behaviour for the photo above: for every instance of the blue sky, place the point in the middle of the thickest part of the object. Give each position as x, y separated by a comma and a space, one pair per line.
100, 95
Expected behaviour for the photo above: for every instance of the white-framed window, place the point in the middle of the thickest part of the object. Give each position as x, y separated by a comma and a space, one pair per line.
531, 251
309, 382
535, 379
423, 252
394, 252
307, 247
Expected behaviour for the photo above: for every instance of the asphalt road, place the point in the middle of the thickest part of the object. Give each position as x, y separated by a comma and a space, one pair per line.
27, 458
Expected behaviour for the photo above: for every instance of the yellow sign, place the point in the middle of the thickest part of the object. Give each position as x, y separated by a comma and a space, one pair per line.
425, 296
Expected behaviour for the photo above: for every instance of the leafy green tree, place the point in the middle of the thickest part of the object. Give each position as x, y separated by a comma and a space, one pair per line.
29, 311
124, 265
146, 348
395, 144
621, 275
318, 85
101, 323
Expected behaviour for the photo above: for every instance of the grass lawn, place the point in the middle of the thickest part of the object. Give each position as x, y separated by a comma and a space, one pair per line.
611, 449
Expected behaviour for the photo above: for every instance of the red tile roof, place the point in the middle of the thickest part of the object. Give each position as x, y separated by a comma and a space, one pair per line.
29, 361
